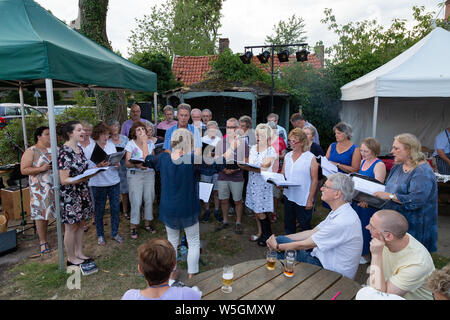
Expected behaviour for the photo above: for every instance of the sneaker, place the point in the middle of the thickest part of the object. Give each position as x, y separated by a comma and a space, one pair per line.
231, 212
118, 238
218, 216
101, 241
205, 217
238, 228
363, 260
222, 226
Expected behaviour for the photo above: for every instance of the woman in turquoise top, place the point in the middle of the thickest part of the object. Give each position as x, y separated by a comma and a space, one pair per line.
411, 189
343, 153
371, 167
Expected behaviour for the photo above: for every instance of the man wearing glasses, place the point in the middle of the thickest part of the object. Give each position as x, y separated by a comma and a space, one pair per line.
400, 264
337, 241
231, 179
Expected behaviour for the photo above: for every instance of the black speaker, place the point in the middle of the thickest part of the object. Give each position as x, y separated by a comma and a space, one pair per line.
146, 110
8, 241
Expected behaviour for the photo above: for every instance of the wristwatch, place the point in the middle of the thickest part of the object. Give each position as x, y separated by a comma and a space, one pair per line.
391, 196
278, 247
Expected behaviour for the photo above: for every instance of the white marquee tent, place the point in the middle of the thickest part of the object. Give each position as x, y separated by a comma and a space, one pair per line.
410, 93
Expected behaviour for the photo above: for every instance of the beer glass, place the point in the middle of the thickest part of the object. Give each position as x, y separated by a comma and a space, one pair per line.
227, 279
289, 262
271, 259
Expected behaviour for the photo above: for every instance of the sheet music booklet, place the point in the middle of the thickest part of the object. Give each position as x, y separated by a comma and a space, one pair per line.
365, 187
278, 179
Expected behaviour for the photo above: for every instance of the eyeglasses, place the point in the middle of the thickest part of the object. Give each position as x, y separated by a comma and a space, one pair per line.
231, 127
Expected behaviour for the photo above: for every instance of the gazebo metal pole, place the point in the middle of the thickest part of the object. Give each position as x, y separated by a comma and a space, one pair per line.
22, 111
375, 117
53, 144
155, 104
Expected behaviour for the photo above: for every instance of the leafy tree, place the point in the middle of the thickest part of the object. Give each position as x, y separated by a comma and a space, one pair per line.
315, 91
111, 104
178, 27
161, 65
228, 66
366, 45
290, 32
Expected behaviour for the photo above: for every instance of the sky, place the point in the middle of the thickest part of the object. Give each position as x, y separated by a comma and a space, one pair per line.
248, 22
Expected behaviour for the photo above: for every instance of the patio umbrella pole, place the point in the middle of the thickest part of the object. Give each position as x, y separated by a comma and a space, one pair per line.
53, 144
22, 111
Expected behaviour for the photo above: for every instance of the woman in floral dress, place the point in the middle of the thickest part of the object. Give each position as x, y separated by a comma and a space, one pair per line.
36, 163
76, 202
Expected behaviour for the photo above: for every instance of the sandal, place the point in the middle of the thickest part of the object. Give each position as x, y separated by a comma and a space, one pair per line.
150, 229
133, 233
46, 248
273, 218
254, 237
125, 214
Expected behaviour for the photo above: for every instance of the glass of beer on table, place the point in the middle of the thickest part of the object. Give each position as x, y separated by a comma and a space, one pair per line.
289, 262
227, 279
271, 259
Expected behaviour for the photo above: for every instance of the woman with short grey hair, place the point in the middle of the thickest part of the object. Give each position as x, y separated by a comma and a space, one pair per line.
344, 153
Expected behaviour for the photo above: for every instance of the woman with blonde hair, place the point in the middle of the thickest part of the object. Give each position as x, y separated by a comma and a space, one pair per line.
299, 165
259, 197
371, 167
179, 207
411, 189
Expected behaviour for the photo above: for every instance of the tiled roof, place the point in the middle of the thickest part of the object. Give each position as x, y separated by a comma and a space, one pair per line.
193, 69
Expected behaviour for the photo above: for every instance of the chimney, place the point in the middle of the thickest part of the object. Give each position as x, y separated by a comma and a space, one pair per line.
224, 43
447, 10
320, 53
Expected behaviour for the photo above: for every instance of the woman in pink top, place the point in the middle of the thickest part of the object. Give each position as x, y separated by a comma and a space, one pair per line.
157, 259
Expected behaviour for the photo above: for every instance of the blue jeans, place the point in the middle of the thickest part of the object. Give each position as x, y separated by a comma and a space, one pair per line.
293, 212
100, 195
301, 256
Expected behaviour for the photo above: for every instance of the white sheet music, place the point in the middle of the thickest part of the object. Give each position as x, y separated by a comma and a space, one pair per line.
88, 173
327, 167
367, 186
205, 191
278, 179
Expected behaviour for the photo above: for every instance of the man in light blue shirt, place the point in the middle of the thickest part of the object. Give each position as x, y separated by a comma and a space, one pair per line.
183, 115
442, 151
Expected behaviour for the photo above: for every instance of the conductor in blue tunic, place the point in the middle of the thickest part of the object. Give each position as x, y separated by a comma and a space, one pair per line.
179, 207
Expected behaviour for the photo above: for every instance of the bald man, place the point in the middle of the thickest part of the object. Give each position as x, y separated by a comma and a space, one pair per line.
400, 264
135, 115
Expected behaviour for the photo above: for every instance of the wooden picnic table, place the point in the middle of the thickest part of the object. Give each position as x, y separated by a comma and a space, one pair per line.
253, 281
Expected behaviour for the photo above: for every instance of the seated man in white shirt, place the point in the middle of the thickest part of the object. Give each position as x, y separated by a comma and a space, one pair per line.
337, 241
400, 264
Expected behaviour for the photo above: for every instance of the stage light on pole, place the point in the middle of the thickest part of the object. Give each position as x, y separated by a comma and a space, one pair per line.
264, 57
246, 58
283, 56
302, 55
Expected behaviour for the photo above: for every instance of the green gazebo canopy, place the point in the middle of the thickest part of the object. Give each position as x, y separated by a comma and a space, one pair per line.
35, 45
